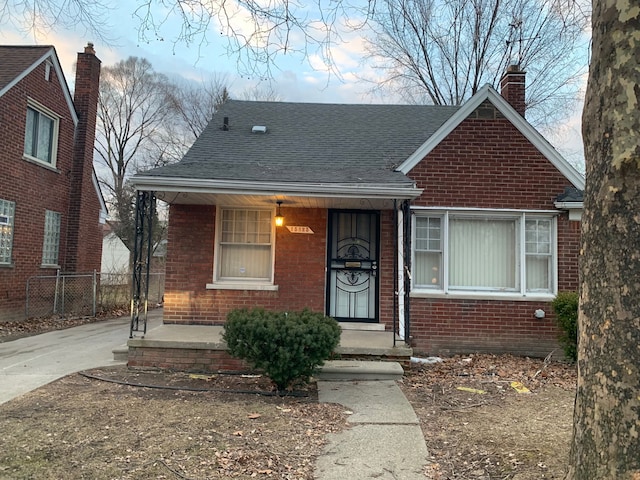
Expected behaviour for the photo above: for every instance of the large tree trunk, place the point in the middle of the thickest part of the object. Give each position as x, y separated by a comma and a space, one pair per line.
606, 439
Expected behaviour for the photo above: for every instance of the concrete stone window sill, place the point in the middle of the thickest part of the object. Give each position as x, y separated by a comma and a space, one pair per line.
242, 286
533, 297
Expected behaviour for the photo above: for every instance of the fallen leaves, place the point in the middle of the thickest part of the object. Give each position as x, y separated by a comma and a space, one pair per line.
155, 434
519, 387
499, 433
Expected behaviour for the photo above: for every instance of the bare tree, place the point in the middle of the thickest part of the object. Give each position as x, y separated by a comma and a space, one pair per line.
255, 33
144, 121
264, 94
443, 52
134, 108
606, 435
196, 102
41, 16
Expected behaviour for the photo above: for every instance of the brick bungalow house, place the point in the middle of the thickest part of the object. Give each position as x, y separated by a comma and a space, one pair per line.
51, 208
453, 226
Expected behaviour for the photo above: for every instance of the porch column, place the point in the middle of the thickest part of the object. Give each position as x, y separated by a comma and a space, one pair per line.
401, 265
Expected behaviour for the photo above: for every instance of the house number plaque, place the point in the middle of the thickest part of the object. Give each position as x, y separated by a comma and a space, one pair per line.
299, 229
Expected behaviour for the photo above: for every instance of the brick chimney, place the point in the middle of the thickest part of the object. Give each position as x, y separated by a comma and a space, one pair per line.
512, 88
84, 236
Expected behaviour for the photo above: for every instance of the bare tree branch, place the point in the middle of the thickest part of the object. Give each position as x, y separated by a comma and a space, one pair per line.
444, 51
145, 121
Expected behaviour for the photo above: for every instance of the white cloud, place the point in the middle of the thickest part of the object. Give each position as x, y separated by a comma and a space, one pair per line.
295, 78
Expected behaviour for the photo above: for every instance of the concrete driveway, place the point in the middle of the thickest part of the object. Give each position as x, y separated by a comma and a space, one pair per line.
30, 362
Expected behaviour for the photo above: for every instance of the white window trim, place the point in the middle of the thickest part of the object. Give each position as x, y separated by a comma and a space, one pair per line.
245, 283
54, 141
521, 293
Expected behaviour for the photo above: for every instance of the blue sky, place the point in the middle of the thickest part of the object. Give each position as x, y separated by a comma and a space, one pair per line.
294, 77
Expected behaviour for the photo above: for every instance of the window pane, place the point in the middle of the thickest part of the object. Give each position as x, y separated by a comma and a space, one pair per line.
45, 131
29, 134
427, 270
428, 258
538, 269
51, 238
245, 244
7, 212
38, 135
538, 236
482, 253
245, 261
428, 233
539, 254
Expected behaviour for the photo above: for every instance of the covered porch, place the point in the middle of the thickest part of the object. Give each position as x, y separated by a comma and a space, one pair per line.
350, 261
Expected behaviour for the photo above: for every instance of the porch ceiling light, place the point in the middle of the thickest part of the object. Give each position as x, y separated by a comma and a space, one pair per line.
279, 219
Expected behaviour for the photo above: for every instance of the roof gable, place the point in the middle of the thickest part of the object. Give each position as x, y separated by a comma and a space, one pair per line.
530, 133
18, 61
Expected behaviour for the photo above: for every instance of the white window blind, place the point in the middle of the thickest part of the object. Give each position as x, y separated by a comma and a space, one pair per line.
484, 252
245, 245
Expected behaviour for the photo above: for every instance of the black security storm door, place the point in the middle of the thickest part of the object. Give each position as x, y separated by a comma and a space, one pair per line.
352, 283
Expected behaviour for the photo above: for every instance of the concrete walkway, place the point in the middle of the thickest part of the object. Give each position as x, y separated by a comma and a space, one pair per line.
30, 362
385, 441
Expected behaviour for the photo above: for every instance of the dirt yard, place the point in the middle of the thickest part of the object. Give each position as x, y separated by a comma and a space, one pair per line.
478, 427
476, 424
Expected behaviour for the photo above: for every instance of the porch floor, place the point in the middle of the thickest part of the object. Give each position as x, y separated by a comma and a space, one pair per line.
353, 343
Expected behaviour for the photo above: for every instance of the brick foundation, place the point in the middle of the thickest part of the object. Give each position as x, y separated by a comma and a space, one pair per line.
185, 360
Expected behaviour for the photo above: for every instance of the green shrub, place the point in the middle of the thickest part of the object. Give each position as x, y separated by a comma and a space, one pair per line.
565, 306
286, 346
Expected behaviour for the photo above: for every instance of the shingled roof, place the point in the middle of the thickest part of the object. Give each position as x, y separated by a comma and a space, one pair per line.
15, 59
310, 143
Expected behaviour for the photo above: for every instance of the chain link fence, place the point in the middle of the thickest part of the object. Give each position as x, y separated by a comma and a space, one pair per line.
85, 294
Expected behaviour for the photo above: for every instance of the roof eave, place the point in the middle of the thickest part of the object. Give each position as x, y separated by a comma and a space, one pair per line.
574, 208
242, 187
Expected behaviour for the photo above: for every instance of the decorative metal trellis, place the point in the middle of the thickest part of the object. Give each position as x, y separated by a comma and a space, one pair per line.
142, 247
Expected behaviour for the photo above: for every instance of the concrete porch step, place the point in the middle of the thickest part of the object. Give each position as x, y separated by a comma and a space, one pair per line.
348, 370
121, 353
371, 327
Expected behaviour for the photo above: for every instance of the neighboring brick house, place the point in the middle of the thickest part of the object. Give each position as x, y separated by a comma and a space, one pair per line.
454, 225
51, 208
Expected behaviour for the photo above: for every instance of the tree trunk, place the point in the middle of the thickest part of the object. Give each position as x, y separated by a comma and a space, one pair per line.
606, 437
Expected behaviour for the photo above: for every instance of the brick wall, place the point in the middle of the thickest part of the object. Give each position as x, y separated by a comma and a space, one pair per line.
185, 360
299, 267
32, 187
386, 269
35, 188
477, 167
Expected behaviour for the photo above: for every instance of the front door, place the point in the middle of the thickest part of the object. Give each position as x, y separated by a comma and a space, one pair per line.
352, 283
